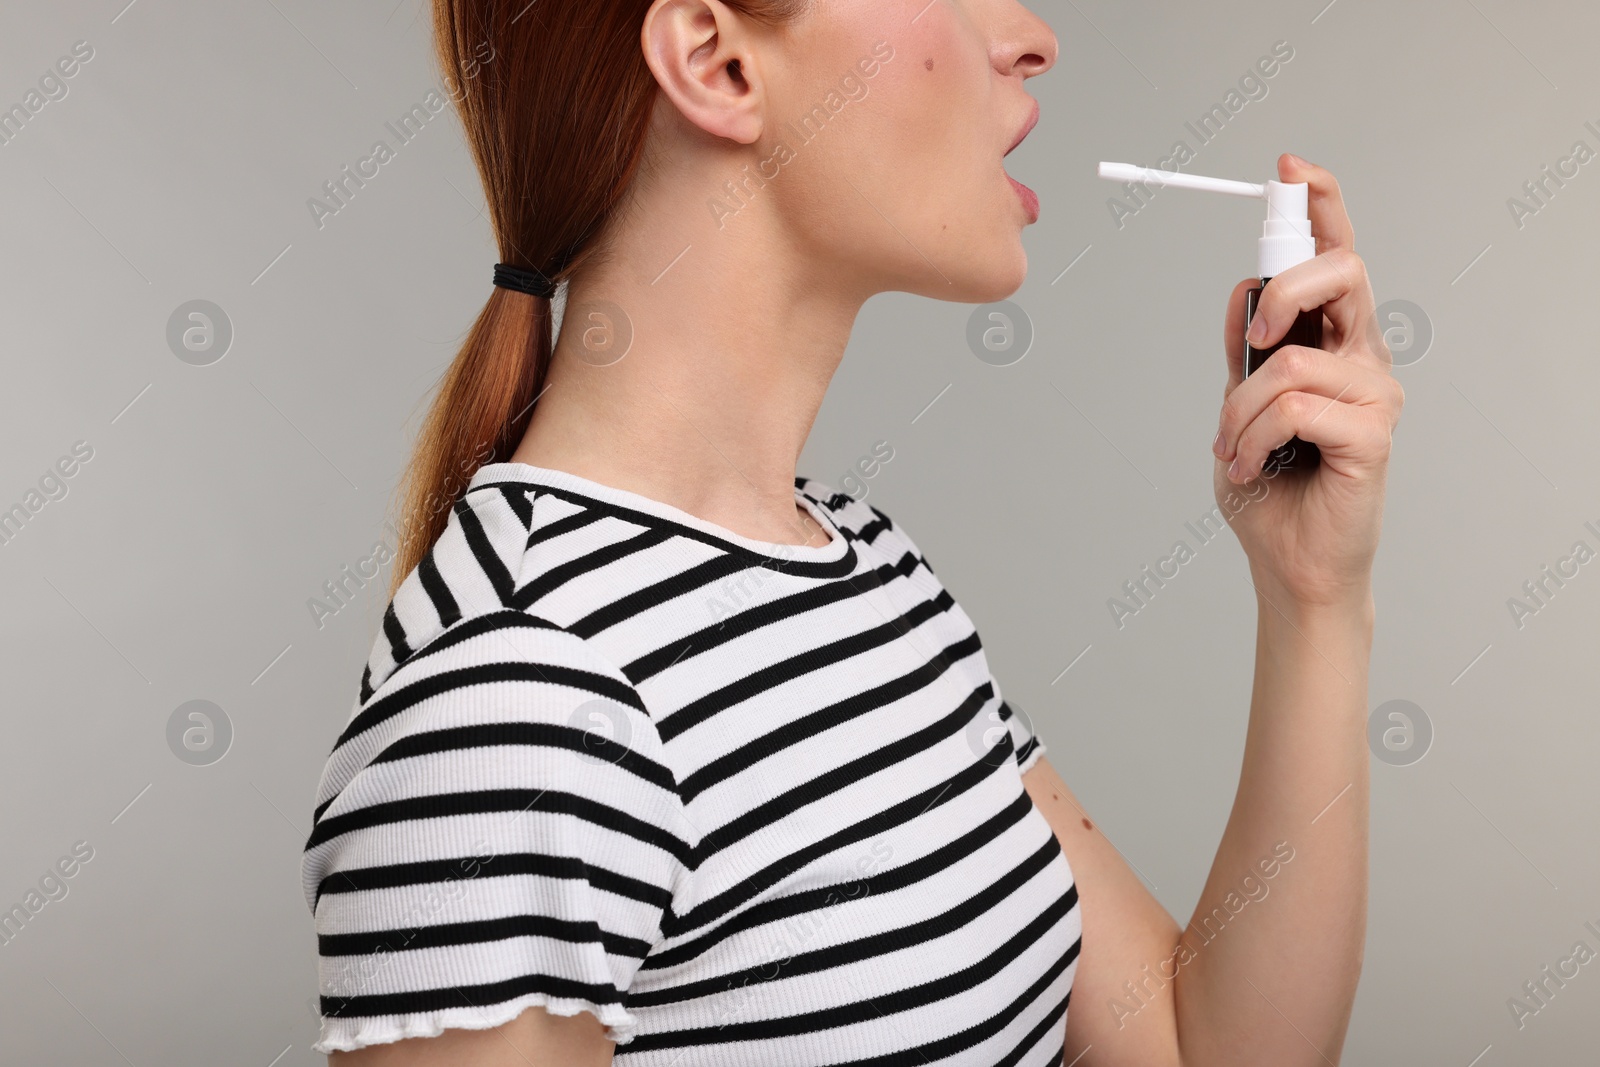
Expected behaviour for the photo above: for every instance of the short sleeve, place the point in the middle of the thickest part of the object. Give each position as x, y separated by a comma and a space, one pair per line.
495, 829
1024, 741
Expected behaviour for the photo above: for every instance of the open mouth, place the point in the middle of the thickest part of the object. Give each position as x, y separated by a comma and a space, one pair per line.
1030, 199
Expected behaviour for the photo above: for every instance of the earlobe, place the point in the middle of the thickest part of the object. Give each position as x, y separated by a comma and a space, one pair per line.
700, 54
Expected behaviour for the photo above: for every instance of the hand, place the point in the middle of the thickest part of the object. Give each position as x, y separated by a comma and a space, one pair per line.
1310, 535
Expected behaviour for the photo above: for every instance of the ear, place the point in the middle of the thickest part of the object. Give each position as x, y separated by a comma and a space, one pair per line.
701, 53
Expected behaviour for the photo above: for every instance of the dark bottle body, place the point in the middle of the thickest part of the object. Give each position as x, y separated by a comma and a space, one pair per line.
1295, 454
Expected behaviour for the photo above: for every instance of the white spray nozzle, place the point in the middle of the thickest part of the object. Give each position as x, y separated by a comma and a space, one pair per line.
1286, 235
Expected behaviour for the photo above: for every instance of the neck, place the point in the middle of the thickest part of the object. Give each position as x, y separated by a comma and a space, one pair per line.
732, 347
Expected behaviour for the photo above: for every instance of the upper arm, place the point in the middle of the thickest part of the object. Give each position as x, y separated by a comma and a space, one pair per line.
1128, 937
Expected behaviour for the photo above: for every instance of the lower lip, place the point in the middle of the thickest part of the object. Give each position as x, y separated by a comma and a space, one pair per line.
1030, 199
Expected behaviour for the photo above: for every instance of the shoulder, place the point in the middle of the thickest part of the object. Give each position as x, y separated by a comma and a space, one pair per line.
506, 543
470, 571
499, 678
492, 663
462, 666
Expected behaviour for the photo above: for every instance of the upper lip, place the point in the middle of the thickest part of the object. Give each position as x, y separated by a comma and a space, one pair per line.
1027, 127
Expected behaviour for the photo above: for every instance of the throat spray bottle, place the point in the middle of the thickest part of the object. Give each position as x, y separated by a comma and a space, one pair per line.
1286, 240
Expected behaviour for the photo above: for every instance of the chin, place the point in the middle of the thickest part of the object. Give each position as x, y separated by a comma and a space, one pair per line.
1011, 278
996, 277
983, 264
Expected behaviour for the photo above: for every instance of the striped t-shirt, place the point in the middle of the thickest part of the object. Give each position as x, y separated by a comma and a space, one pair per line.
747, 803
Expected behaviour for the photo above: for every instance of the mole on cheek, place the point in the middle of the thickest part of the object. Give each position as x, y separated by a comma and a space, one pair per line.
928, 63
1087, 825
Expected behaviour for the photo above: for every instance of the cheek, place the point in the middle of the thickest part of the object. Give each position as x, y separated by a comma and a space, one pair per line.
913, 160
947, 131
926, 113
944, 82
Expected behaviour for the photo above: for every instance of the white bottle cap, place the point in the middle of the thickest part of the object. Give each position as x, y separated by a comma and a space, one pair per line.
1286, 237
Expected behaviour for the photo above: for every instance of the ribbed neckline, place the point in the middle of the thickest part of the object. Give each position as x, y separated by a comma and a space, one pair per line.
572, 485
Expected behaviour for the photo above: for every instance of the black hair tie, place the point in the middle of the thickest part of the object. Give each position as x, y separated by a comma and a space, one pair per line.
524, 280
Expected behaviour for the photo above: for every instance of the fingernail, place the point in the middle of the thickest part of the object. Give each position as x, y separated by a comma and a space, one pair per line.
1217, 446
1233, 469
1258, 329
1303, 162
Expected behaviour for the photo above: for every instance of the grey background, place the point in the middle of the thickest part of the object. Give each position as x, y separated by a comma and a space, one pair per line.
219, 498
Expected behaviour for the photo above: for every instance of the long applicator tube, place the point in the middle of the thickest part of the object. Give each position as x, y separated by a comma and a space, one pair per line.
1128, 172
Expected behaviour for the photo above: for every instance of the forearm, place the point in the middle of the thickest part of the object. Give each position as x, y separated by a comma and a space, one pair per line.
1277, 943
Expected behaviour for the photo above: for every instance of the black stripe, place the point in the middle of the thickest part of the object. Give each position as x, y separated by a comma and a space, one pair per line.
483, 674
396, 635
830, 781
867, 946
1049, 1023
702, 574
907, 874
550, 735
875, 1008
923, 1054
501, 865
741, 623
752, 685
875, 529
484, 801
494, 569
401, 699
472, 627
478, 932
444, 602
517, 500
467, 996
908, 810
555, 577
792, 733
477, 625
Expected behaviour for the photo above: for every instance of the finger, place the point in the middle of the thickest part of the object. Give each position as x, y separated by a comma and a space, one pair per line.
1233, 333
1334, 281
1330, 223
1341, 431
1298, 369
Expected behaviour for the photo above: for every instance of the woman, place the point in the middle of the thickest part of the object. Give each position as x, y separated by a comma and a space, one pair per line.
667, 755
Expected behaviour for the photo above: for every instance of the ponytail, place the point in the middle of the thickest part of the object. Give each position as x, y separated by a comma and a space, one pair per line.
481, 410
